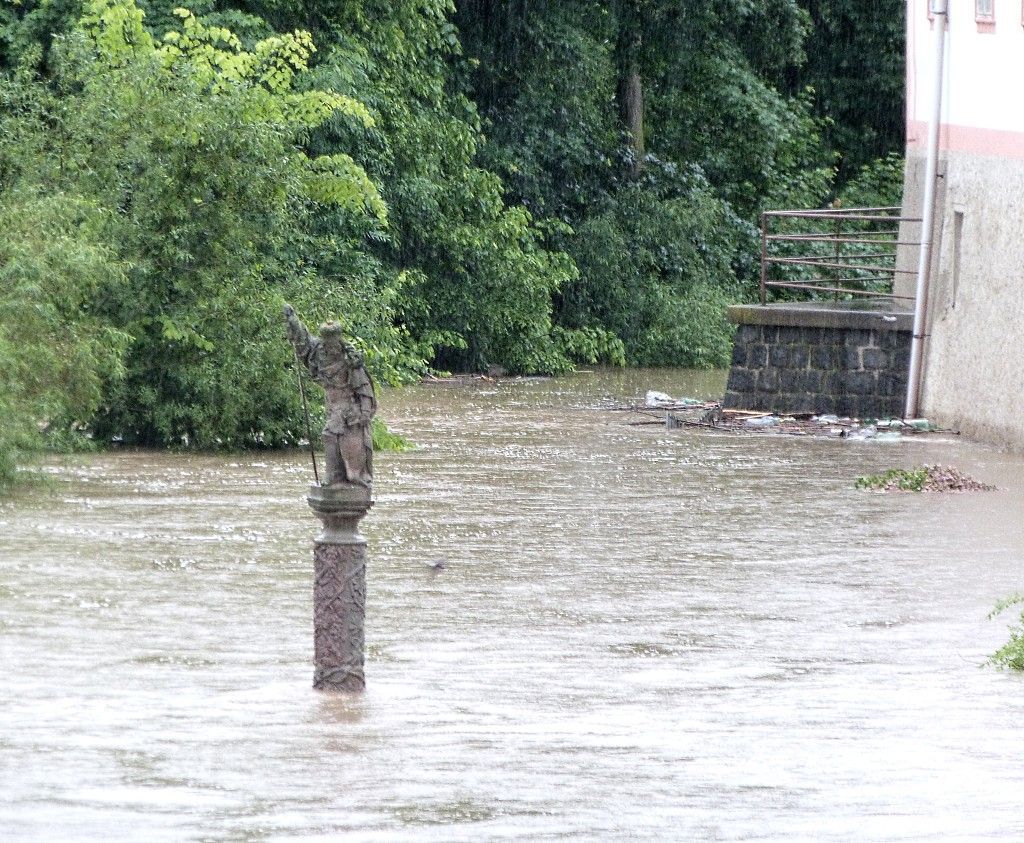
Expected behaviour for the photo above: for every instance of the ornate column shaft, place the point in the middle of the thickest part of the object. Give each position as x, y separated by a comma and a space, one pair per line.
339, 590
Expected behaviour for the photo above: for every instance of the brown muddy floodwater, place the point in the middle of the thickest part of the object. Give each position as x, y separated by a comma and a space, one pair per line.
640, 634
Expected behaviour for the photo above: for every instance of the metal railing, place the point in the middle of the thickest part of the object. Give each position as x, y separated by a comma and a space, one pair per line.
835, 253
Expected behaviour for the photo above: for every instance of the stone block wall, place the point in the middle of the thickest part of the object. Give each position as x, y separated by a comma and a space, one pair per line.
847, 366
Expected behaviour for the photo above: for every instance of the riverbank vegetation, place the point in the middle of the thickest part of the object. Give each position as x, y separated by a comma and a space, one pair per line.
1011, 655
463, 184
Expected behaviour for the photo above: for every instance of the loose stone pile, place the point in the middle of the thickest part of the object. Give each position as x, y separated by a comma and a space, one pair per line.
928, 478
945, 478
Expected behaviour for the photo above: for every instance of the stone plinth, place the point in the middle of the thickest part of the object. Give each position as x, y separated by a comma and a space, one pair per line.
339, 591
790, 358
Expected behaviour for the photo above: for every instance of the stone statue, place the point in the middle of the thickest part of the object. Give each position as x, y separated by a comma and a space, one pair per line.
338, 367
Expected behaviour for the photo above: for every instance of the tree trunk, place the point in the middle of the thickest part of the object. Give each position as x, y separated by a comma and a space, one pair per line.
633, 114
631, 86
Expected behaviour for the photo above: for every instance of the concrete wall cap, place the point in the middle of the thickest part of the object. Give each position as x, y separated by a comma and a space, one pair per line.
821, 315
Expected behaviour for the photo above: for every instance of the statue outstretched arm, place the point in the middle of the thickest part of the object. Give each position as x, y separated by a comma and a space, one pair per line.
298, 335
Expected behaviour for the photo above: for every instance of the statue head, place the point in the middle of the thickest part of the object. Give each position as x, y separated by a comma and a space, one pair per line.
330, 333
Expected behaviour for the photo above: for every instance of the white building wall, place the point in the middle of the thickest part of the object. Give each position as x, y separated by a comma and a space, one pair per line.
974, 355
982, 78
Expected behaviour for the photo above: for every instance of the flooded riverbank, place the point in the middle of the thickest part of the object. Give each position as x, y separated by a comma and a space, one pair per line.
639, 633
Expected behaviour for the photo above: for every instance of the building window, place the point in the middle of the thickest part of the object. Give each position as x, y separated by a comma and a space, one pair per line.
985, 15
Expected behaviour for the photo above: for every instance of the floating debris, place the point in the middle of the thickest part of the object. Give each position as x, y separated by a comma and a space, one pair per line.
927, 478
661, 400
762, 421
661, 409
477, 379
653, 398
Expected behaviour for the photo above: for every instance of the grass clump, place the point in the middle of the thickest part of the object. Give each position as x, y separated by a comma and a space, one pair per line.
895, 479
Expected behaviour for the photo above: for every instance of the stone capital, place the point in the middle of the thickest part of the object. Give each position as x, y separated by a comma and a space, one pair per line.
340, 508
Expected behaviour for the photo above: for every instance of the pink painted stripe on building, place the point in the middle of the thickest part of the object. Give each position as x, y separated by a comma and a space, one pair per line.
995, 142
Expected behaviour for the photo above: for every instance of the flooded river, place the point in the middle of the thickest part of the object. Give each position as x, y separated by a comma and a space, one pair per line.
639, 634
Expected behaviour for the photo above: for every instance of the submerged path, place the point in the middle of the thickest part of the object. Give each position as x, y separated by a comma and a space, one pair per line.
637, 634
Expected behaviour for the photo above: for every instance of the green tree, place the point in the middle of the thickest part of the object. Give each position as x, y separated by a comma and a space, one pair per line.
55, 352
187, 146
855, 64
594, 110
475, 277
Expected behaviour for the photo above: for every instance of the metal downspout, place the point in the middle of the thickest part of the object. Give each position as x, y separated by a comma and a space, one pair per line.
939, 9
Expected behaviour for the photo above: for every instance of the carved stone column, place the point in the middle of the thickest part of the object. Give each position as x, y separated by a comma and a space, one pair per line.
339, 590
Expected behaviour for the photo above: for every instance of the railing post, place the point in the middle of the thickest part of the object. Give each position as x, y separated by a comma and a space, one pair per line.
764, 257
837, 273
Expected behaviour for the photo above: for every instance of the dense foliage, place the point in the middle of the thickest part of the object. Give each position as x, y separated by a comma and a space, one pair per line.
857, 76
462, 184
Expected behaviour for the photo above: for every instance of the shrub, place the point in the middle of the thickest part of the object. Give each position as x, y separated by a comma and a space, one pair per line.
1011, 655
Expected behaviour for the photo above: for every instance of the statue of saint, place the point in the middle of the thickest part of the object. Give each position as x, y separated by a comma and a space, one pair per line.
339, 368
